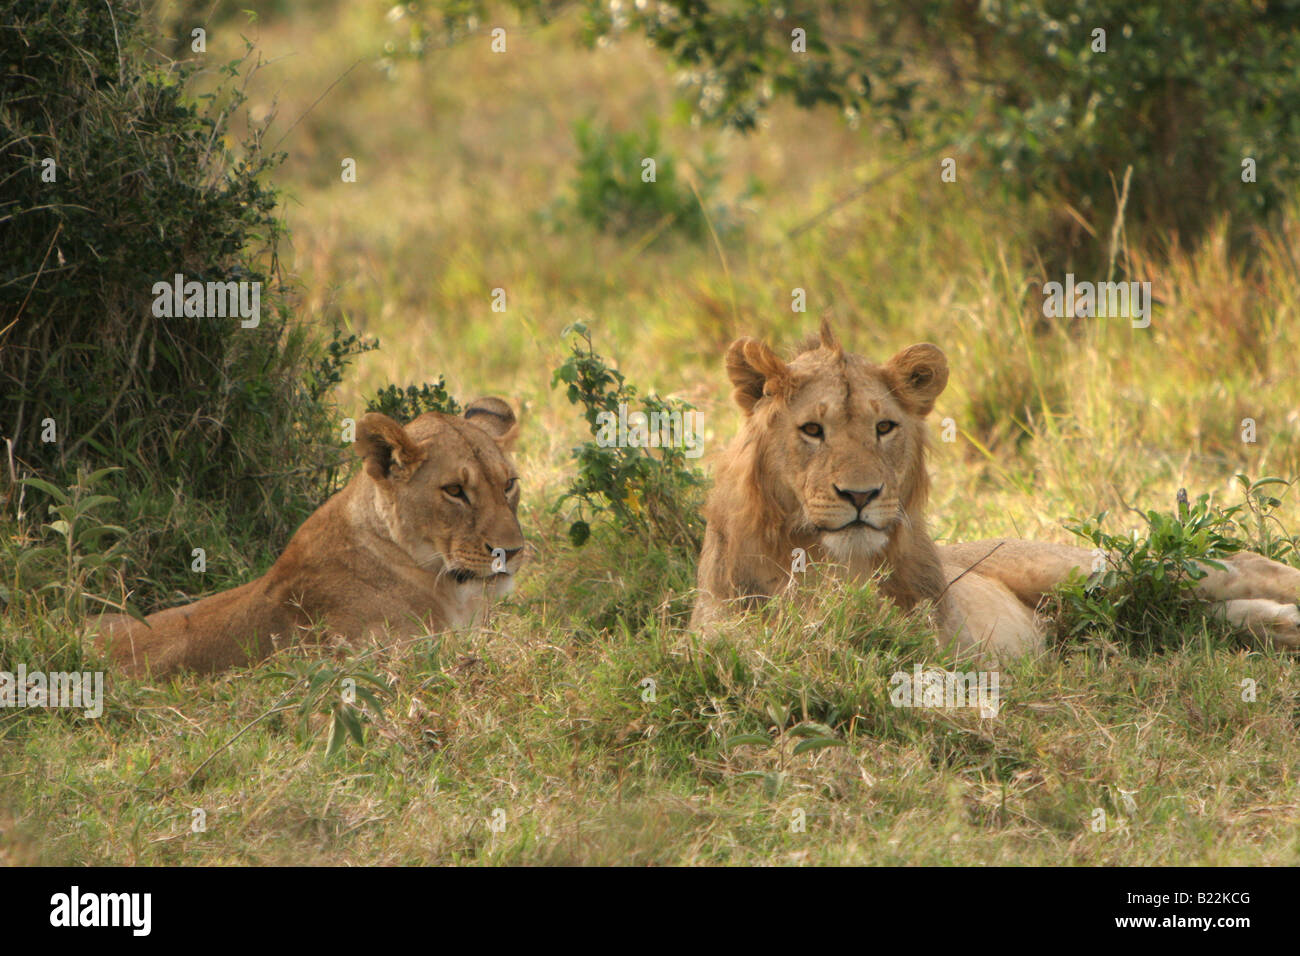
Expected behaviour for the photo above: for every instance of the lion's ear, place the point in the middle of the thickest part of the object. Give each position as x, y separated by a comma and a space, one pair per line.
388, 451
917, 375
495, 417
756, 371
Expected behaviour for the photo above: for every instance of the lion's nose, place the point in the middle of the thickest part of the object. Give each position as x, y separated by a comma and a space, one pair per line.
859, 499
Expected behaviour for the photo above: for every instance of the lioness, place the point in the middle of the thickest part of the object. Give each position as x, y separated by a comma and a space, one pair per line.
830, 458
420, 538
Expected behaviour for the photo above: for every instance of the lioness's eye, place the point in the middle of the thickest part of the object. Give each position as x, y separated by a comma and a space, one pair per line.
511, 484
884, 428
811, 429
456, 491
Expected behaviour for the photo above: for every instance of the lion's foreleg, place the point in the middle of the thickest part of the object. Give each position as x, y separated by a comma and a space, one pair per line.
1265, 619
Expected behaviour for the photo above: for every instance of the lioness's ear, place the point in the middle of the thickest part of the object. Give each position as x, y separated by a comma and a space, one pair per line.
756, 371
495, 417
917, 375
386, 448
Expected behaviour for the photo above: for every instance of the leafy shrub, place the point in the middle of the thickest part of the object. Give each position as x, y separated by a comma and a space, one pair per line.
84, 560
338, 352
1181, 100
609, 191
1255, 521
1144, 591
144, 188
404, 406
650, 492
324, 690
1181, 94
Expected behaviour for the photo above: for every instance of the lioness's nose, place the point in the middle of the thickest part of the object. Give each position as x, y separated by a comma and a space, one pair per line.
859, 499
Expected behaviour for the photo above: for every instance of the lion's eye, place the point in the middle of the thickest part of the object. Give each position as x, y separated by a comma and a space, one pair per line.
811, 429
511, 485
884, 428
456, 491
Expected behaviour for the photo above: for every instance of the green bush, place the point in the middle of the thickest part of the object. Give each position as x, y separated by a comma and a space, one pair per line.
1144, 591
650, 492
406, 405
609, 191
144, 187
1181, 93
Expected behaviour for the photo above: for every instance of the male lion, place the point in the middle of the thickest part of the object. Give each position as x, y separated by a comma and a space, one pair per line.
420, 538
830, 458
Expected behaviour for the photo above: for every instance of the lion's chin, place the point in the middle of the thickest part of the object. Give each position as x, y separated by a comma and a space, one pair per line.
495, 583
854, 544
501, 583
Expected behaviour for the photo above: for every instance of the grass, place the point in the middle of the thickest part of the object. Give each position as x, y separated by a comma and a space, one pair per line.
559, 737
461, 160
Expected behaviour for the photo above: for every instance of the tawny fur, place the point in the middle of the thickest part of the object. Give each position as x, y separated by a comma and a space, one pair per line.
392, 555
778, 489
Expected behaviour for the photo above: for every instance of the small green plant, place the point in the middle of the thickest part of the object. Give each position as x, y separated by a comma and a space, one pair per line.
328, 691
338, 353
650, 491
404, 406
78, 561
1256, 519
1143, 589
